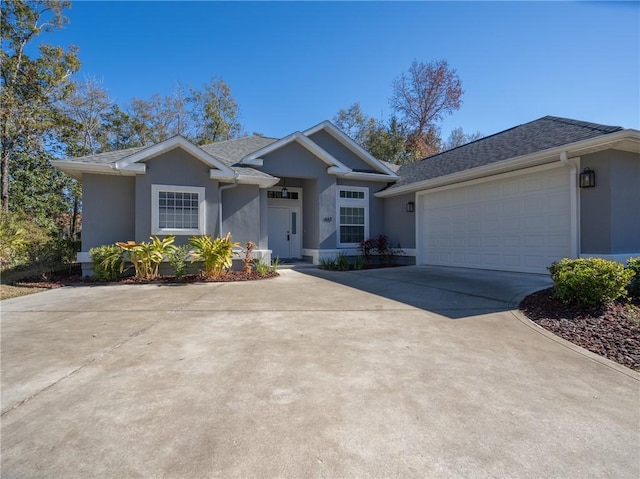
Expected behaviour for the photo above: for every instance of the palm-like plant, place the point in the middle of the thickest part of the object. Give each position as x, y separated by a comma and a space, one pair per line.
217, 254
146, 257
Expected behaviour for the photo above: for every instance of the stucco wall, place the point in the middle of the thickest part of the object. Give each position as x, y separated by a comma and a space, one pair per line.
177, 168
310, 215
296, 163
107, 210
376, 205
339, 151
302, 168
399, 225
241, 213
609, 212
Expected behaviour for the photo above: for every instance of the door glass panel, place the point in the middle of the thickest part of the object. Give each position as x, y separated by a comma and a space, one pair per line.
294, 223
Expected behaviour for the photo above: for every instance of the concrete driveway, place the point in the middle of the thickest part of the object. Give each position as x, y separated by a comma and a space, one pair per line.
404, 372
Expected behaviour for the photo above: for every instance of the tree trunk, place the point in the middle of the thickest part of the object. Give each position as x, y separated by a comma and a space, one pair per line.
4, 171
74, 218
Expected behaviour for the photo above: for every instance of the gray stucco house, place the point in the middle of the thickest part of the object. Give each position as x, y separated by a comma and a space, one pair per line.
511, 201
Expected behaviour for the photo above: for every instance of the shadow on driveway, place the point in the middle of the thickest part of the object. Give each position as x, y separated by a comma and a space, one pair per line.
450, 292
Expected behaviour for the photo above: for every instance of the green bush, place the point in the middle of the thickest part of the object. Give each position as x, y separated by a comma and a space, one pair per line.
634, 284
342, 262
107, 262
178, 257
23, 241
329, 264
589, 282
217, 254
146, 257
358, 262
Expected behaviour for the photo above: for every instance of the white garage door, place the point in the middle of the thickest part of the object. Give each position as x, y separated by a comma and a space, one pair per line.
517, 223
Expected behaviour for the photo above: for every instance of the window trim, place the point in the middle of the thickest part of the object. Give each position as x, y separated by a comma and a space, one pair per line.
155, 210
352, 203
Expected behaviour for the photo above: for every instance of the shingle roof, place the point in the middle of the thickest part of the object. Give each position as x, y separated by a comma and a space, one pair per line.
232, 151
108, 157
538, 135
229, 152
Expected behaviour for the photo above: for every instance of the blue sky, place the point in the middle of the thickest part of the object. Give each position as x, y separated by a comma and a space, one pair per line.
291, 65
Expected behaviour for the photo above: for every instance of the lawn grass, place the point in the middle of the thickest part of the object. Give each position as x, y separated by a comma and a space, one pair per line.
8, 291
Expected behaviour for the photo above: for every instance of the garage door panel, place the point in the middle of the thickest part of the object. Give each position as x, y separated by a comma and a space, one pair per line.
517, 224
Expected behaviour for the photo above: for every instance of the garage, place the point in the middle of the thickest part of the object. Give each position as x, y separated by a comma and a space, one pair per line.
519, 221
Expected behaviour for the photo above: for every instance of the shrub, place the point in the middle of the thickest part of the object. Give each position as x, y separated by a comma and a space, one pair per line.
380, 244
589, 282
247, 259
23, 241
265, 268
217, 254
634, 284
328, 264
358, 262
178, 257
366, 247
146, 257
342, 262
107, 262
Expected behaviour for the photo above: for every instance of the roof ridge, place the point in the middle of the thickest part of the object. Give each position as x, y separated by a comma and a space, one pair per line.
240, 138
582, 124
474, 141
567, 121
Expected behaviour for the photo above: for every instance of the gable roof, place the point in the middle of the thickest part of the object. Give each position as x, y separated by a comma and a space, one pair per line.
334, 166
130, 161
545, 133
233, 160
232, 151
381, 172
355, 148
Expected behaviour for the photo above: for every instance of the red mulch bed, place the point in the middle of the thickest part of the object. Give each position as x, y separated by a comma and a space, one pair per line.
612, 332
58, 281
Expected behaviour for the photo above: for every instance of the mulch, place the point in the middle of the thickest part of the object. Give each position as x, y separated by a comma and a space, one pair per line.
612, 332
57, 281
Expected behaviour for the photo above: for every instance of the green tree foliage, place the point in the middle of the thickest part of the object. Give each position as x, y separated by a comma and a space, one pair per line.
215, 112
31, 86
384, 141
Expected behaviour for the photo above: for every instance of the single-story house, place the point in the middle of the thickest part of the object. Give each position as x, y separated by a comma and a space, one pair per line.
515, 201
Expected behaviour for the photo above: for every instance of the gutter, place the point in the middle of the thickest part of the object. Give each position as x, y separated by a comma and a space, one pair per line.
533, 159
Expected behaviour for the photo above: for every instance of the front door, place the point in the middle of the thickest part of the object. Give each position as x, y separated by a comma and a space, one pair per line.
284, 232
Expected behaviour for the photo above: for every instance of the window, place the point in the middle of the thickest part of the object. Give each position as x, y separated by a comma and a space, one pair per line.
277, 195
358, 195
352, 215
177, 210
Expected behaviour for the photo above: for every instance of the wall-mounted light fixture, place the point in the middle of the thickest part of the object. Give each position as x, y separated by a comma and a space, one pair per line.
587, 178
285, 191
411, 207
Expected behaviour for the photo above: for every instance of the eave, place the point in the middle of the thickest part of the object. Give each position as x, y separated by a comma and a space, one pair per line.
626, 140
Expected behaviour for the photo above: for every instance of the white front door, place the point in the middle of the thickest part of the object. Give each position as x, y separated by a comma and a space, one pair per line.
284, 232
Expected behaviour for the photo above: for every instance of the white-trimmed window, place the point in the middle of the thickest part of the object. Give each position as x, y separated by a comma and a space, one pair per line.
353, 215
177, 210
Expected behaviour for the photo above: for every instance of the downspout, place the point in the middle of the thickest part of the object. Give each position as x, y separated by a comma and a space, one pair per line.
573, 192
220, 190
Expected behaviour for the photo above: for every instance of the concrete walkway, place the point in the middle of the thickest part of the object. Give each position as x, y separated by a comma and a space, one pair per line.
403, 372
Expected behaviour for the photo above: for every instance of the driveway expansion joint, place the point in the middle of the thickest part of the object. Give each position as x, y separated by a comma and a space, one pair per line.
104, 353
